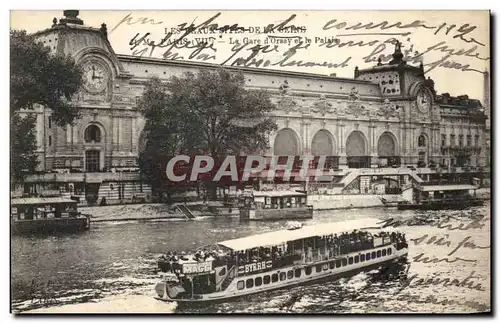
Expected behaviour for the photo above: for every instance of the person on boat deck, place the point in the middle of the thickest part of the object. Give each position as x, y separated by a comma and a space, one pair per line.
184, 256
175, 258
167, 265
309, 254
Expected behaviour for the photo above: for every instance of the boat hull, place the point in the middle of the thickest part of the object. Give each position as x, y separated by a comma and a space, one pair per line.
458, 205
232, 292
276, 214
49, 225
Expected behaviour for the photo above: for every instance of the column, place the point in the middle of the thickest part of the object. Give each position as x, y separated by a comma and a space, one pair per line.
39, 128
339, 137
74, 136
133, 139
115, 132
302, 138
306, 148
101, 159
374, 154
111, 133
404, 150
69, 133
436, 155
413, 149
120, 133
342, 154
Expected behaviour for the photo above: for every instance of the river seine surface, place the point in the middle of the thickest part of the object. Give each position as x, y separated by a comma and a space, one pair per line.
112, 267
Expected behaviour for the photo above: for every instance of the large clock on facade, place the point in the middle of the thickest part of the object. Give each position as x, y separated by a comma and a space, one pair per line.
95, 76
424, 100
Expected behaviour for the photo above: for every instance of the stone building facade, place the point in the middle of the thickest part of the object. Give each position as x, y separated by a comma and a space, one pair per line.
386, 115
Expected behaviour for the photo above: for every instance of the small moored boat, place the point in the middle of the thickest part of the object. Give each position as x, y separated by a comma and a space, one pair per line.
46, 214
276, 205
278, 259
442, 197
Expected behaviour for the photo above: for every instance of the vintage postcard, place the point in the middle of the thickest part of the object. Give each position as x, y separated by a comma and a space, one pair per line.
293, 162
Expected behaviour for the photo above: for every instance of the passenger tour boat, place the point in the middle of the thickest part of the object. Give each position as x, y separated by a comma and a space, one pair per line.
279, 259
276, 205
46, 214
441, 197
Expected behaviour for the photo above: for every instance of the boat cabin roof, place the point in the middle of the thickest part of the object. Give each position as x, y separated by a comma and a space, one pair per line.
277, 193
449, 187
41, 201
283, 236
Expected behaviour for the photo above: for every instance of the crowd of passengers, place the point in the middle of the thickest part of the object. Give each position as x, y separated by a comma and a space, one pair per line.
360, 240
309, 249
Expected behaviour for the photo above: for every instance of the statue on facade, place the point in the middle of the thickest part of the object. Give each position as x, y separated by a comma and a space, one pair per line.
284, 88
357, 110
354, 107
387, 110
397, 56
322, 105
104, 30
353, 94
286, 102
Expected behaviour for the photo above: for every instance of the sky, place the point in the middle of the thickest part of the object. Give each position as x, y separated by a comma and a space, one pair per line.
455, 44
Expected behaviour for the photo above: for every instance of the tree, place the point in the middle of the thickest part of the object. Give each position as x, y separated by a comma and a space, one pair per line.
37, 77
206, 113
23, 146
162, 138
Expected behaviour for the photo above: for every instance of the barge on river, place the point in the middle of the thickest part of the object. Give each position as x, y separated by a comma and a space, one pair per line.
46, 215
276, 205
442, 197
278, 259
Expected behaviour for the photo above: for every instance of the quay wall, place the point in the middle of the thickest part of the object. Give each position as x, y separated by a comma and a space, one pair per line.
348, 201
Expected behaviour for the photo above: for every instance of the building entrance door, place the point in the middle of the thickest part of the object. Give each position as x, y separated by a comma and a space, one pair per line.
92, 161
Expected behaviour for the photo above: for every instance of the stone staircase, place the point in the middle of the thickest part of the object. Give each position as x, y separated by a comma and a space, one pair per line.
356, 172
186, 211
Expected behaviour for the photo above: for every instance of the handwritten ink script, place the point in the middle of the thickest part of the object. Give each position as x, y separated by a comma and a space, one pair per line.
468, 282
289, 43
442, 240
42, 293
432, 299
441, 223
453, 244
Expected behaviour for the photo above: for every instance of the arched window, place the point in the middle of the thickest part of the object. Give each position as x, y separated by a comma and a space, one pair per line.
92, 134
421, 141
286, 143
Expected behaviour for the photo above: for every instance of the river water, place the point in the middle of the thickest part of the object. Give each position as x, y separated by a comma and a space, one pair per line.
112, 267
